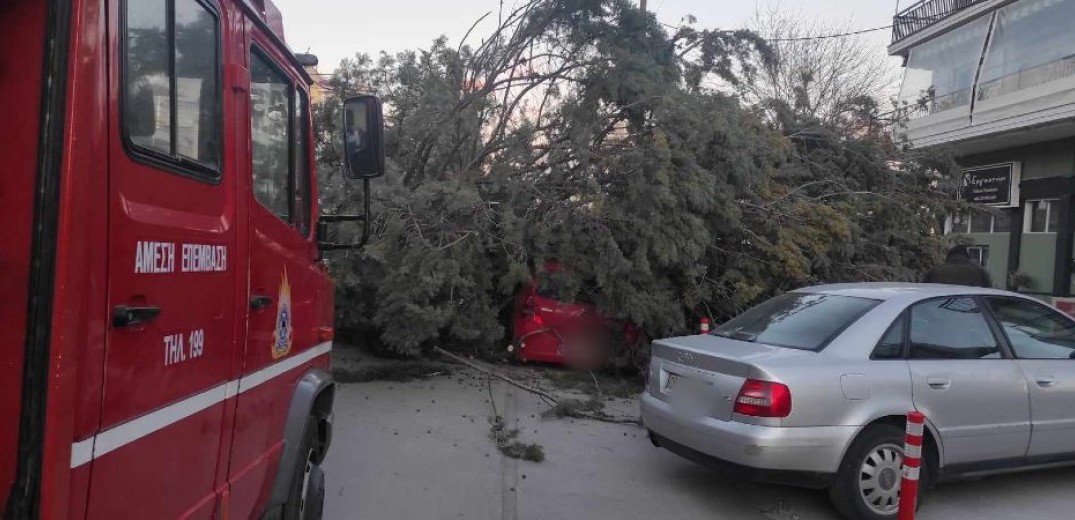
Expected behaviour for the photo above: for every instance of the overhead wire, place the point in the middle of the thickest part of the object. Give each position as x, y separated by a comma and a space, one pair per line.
805, 38
826, 36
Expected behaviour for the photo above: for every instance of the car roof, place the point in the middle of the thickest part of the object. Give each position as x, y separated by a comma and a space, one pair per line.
889, 290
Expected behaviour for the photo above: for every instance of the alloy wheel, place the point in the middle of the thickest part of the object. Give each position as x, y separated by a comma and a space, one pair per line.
879, 479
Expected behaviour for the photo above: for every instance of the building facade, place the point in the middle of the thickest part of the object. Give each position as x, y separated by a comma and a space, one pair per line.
320, 87
994, 81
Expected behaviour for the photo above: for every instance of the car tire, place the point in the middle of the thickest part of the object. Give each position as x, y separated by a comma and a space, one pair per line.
862, 494
306, 497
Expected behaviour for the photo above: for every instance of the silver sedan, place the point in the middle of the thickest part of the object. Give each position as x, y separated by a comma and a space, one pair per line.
812, 387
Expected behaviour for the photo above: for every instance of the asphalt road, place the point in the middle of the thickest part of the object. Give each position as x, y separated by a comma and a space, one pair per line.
421, 450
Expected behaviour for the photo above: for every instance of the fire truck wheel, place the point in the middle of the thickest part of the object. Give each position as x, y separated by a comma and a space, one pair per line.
306, 499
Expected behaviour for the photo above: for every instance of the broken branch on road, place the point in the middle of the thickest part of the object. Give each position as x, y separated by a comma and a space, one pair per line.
508, 444
548, 398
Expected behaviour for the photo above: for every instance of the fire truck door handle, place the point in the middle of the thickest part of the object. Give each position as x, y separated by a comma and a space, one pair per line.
126, 315
259, 301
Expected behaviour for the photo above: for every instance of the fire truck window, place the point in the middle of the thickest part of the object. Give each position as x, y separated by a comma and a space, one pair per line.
302, 166
148, 103
172, 86
196, 83
270, 124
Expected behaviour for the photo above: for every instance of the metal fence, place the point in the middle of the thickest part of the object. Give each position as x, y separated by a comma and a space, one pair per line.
923, 14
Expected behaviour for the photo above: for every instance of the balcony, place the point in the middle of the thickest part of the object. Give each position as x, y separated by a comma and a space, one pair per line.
924, 14
1003, 77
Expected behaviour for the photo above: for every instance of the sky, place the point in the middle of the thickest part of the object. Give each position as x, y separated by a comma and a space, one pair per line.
334, 29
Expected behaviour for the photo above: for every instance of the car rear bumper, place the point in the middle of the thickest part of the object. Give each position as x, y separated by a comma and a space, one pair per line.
807, 457
806, 479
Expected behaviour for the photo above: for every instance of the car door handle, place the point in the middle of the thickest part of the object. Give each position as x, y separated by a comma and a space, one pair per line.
130, 315
1046, 381
939, 383
260, 301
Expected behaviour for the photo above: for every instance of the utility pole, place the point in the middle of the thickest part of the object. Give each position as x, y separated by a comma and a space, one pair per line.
643, 4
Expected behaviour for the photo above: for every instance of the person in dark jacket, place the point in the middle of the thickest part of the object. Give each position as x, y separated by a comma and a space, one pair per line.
959, 269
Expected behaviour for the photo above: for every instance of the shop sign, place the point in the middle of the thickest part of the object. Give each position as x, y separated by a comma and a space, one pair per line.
994, 185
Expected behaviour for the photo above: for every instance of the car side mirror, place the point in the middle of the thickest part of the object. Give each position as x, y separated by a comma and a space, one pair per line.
363, 137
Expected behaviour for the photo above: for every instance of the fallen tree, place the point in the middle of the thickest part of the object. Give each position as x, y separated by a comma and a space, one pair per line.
584, 130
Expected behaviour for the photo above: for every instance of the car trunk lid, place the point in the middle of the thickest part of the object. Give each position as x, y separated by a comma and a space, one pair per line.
703, 374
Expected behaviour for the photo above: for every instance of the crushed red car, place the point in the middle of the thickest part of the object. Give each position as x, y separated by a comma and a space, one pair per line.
549, 330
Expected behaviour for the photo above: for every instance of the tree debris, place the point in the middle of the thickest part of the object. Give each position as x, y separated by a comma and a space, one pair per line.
623, 387
519, 450
507, 442
549, 399
575, 408
396, 371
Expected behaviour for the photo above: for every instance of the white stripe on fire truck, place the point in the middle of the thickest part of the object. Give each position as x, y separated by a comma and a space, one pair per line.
275, 370
128, 432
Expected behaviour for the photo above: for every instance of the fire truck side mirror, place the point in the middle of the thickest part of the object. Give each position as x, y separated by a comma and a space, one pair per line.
363, 137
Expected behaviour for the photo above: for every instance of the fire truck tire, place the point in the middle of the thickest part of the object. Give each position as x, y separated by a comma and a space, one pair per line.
306, 498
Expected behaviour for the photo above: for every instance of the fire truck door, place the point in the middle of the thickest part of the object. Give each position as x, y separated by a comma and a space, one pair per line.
171, 278
282, 296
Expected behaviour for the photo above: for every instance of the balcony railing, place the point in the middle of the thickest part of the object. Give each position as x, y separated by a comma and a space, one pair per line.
1027, 78
923, 14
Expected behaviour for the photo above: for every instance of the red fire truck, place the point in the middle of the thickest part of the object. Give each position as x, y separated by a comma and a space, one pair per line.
166, 315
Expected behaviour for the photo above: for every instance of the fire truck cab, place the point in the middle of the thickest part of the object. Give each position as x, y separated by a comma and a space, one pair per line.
167, 315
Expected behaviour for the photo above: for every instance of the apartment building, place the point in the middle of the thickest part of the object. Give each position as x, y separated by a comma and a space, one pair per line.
994, 81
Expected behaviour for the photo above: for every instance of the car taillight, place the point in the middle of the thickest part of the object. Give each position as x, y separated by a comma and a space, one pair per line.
763, 399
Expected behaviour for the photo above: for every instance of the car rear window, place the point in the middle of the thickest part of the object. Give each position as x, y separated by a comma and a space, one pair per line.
798, 320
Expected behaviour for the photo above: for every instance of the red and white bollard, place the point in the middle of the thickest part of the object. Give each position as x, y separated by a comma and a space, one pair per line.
912, 465
703, 326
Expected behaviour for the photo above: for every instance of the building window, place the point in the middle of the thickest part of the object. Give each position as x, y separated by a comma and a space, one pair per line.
980, 222
1031, 45
1042, 216
1002, 221
984, 221
940, 73
171, 94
